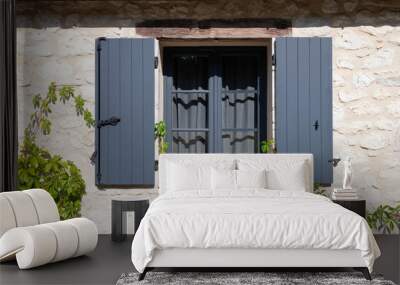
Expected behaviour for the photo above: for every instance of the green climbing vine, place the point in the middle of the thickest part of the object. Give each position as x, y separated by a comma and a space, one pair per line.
38, 168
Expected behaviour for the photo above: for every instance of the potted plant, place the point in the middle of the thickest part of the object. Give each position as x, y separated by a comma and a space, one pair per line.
267, 146
319, 190
160, 134
385, 222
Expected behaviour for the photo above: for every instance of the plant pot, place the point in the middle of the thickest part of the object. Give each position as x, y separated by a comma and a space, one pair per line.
388, 263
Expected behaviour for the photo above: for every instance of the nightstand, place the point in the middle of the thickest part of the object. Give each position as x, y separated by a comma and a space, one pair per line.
121, 204
357, 206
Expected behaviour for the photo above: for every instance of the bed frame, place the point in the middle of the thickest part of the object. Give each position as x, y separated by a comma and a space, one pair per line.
249, 259
242, 259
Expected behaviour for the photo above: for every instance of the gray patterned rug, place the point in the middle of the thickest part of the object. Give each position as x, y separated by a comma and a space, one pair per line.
269, 278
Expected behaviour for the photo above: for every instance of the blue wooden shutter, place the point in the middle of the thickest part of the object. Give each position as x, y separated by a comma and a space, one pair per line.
303, 94
125, 90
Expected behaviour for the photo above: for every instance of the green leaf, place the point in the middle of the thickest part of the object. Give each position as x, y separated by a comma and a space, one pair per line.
53, 174
33, 161
385, 218
164, 147
51, 95
160, 129
160, 133
38, 168
79, 105
36, 101
267, 146
52, 88
45, 126
88, 117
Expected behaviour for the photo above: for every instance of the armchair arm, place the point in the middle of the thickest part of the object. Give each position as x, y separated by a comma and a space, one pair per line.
40, 244
32, 246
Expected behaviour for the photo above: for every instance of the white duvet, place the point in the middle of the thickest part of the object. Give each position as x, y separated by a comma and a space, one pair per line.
250, 219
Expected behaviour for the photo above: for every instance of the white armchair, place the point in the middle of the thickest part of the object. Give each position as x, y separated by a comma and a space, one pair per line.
31, 230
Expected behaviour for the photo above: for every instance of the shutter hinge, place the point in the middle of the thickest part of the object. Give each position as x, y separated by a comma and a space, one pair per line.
99, 40
93, 158
273, 60
98, 176
156, 62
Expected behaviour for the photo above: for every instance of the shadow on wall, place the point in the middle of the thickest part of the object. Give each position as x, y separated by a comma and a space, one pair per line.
175, 13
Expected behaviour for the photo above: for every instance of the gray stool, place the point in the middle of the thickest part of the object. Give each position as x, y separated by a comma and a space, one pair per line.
122, 204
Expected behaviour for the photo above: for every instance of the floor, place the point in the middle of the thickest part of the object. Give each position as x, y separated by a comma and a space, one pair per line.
103, 266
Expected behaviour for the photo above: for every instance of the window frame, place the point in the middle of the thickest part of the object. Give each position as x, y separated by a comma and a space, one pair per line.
215, 54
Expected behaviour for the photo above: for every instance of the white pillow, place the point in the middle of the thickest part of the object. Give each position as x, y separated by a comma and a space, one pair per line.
293, 180
183, 177
223, 179
285, 174
176, 176
251, 178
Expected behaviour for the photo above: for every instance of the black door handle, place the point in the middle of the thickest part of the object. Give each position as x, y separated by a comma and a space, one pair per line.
316, 125
113, 121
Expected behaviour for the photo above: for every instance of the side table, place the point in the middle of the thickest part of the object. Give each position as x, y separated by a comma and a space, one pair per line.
121, 204
357, 206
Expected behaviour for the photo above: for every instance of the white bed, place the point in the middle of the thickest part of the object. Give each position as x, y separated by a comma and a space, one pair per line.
247, 227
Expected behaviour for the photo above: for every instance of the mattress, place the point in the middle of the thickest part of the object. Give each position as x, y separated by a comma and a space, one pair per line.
250, 219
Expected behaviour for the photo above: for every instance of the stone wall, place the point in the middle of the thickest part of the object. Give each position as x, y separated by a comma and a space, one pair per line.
55, 42
366, 106
66, 56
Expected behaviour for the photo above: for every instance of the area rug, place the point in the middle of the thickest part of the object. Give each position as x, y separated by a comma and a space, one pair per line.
269, 278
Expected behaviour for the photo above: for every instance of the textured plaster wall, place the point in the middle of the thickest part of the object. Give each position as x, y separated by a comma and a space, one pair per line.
366, 106
366, 80
66, 56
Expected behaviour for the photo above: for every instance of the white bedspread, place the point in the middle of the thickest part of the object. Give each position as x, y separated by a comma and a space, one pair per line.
250, 219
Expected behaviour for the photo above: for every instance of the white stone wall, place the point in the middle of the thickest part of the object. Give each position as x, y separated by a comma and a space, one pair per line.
366, 106
66, 56
366, 103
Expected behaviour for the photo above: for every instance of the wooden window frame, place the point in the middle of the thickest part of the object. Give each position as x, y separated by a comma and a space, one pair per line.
215, 53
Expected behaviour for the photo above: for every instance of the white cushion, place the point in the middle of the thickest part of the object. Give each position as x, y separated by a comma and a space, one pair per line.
87, 235
251, 178
283, 174
26, 208
188, 161
223, 179
34, 244
290, 177
67, 240
188, 177
40, 244
45, 206
226, 179
7, 218
228, 161
23, 208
